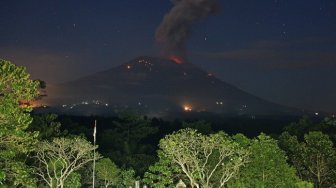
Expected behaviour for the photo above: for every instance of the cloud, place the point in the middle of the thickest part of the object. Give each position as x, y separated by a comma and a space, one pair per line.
48, 65
280, 54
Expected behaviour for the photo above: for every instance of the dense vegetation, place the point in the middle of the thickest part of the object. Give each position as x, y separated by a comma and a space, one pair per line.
47, 150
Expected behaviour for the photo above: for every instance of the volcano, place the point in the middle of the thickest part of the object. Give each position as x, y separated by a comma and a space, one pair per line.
156, 85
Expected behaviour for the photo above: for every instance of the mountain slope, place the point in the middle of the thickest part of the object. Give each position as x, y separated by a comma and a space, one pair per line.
155, 84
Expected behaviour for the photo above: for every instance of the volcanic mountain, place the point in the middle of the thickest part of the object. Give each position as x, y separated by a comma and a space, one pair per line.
157, 85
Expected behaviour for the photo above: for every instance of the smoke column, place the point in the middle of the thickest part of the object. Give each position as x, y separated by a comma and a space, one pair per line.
175, 28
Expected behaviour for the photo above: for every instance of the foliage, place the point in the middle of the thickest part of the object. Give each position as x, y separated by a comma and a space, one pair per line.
47, 126
108, 172
328, 126
16, 88
163, 173
125, 143
201, 158
301, 127
73, 181
2, 176
58, 159
128, 178
304, 184
201, 126
314, 158
294, 151
42, 89
306, 125
267, 165
319, 159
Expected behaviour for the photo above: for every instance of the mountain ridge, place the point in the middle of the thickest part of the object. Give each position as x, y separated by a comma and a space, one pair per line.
157, 84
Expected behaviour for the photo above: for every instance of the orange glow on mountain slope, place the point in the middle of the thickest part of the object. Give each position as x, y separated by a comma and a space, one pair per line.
176, 59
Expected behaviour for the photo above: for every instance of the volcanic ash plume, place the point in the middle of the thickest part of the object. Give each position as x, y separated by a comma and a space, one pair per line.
175, 28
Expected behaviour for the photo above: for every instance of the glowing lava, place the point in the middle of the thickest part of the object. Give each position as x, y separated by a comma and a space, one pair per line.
176, 59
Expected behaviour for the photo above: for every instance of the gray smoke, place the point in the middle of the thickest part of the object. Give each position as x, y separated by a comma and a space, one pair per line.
175, 28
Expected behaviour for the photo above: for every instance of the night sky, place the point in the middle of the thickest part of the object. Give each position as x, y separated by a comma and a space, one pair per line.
281, 50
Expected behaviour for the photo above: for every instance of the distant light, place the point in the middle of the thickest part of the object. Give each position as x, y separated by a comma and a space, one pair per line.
187, 108
129, 67
96, 102
316, 113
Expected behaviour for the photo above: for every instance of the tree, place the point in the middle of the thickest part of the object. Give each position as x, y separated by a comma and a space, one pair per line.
16, 88
314, 157
42, 89
201, 126
304, 125
126, 142
128, 178
319, 158
108, 172
163, 173
294, 150
59, 159
73, 181
328, 126
202, 158
267, 165
47, 126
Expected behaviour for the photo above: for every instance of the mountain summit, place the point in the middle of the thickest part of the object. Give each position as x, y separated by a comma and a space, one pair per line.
159, 85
